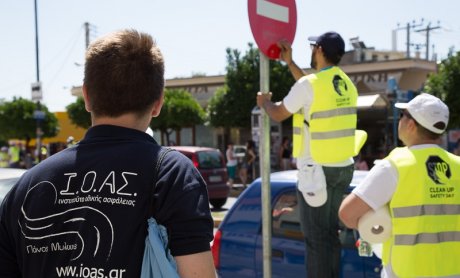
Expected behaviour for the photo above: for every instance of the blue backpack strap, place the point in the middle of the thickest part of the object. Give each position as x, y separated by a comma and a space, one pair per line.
158, 261
161, 155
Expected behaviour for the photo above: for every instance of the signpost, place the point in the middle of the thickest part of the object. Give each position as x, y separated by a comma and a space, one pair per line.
271, 21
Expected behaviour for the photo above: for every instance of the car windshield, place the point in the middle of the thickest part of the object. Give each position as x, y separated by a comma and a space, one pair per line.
209, 160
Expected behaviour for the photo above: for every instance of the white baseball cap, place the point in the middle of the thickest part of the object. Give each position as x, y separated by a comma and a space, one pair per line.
429, 111
312, 185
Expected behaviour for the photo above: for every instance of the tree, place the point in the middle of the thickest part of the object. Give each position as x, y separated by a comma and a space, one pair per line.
232, 105
446, 85
17, 120
78, 114
179, 110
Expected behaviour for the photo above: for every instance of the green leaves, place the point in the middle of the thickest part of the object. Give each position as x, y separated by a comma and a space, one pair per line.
232, 105
17, 120
446, 85
77, 113
179, 110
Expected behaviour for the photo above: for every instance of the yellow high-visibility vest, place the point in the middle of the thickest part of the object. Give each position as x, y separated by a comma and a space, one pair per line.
425, 212
297, 133
14, 152
332, 119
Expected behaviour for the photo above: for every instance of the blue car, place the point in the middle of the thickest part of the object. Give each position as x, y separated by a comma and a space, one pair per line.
237, 246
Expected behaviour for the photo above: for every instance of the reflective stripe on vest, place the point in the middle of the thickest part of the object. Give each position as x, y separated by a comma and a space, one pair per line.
334, 112
425, 211
332, 134
332, 116
427, 238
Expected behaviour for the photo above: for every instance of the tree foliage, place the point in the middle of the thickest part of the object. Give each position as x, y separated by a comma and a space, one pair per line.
179, 110
446, 85
77, 113
232, 105
17, 120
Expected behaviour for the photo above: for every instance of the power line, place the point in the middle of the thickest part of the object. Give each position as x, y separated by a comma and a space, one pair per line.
427, 30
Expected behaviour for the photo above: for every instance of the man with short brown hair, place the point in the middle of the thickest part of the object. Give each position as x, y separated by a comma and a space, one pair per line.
83, 211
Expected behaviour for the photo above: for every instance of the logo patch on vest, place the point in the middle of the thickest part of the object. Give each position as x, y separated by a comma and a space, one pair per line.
339, 85
438, 170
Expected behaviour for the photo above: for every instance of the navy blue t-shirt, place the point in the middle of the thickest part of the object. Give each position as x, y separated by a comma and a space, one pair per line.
83, 211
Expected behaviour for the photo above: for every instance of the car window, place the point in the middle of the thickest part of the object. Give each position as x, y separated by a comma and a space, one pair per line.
5, 186
209, 160
285, 217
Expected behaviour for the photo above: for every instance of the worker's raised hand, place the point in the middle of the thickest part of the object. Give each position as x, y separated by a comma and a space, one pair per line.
286, 51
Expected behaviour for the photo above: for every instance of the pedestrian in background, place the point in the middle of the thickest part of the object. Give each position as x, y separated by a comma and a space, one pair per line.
4, 158
14, 154
324, 104
457, 147
232, 162
421, 185
75, 211
285, 154
247, 166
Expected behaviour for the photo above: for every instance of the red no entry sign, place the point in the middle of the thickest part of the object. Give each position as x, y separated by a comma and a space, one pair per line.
272, 21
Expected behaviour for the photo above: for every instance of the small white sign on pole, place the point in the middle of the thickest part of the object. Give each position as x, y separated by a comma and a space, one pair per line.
37, 94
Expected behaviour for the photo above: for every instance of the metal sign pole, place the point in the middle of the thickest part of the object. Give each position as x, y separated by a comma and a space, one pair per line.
264, 151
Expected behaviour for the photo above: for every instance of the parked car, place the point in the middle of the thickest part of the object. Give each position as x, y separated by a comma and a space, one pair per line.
8, 177
237, 245
211, 165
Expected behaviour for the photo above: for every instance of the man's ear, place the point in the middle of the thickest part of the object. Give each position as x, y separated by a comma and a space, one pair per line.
157, 106
86, 98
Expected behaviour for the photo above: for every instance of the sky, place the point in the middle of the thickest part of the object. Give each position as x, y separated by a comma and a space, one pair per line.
193, 35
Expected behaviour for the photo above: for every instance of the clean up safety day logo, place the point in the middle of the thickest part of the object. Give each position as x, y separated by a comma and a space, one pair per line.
439, 171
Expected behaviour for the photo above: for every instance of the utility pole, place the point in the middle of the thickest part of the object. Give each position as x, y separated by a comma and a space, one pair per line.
427, 44
37, 96
408, 27
87, 31
36, 42
89, 28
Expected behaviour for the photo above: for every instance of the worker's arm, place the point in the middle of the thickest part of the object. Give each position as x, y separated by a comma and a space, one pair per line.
286, 56
276, 111
351, 209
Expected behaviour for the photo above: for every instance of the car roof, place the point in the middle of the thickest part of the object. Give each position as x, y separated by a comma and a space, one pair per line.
291, 176
192, 149
8, 173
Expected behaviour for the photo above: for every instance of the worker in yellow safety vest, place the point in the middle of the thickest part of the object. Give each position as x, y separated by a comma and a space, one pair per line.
4, 157
325, 140
14, 153
420, 184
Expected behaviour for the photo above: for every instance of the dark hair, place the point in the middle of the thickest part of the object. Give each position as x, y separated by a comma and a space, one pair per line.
333, 58
124, 72
251, 144
425, 133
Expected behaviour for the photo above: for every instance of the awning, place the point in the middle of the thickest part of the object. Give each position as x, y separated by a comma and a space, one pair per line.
371, 101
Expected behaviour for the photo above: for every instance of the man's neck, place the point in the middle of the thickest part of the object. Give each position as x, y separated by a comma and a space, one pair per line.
417, 141
125, 120
323, 65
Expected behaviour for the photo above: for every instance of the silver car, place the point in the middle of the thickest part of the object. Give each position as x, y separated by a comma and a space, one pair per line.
8, 177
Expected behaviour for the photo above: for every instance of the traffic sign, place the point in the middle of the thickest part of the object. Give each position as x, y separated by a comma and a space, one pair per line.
272, 21
37, 94
39, 115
